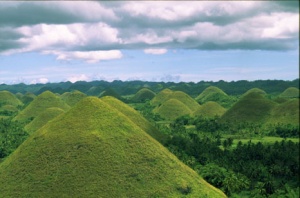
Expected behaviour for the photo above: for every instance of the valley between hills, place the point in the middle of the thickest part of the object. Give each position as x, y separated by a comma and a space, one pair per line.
150, 139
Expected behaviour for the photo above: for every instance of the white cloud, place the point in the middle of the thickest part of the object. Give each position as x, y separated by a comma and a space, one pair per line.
39, 80
75, 78
88, 56
155, 51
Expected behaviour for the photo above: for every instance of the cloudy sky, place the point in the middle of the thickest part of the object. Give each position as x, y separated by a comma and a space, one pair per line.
58, 41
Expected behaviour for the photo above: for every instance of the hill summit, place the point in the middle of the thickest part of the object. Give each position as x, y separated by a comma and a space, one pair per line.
94, 150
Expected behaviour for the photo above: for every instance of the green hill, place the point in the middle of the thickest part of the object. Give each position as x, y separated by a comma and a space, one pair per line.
43, 118
167, 94
142, 95
95, 90
291, 92
210, 109
253, 107
135, 117
42, 102
254, 90
172, 109
110, 92
7, 98
94, 150
71, 98
286, 113
215, 94
161, 97
28, 98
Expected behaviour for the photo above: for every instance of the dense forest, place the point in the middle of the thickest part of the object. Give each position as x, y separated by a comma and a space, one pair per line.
242, 137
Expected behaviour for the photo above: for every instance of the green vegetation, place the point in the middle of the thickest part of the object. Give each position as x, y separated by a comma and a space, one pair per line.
27, 98
142, 95
291, 92
7, 98
172, 109
71, 98
94, 149
210, 109
42, 102
255, 90
161, 97
43, 118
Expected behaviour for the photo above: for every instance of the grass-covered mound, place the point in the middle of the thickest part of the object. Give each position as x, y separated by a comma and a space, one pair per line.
254, 90
167, 94
172, 109
43, 118
8, 110
291, 92
210, 109
253, 107
7, 98
135, 117
286, 113
28, 98
142, 95
110, 92
42, 102
95, 90
94, 150
71, 98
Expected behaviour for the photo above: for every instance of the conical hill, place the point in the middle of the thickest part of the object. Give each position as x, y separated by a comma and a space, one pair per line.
8, 98
142, 95
43, 118
210, 109
172, 109
161, 97
254, 90
291, 92
93, 150
135, 117
253, 107
43, 101
71, 98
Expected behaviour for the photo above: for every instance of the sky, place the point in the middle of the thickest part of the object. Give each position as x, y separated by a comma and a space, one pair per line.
178, 41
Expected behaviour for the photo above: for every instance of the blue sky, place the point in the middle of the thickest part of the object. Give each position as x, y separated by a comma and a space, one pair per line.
44, 42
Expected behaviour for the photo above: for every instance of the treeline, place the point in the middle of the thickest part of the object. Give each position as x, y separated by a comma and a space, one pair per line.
248, 169
131, 87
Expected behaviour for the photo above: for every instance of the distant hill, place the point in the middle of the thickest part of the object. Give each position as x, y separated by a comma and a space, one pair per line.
252, 107
172, 109
43, 118
215, 94
254, 90
28, 98
110, 92
42, 102
142, 95
95, 90
285, 113
291, 92
95, 150
8, 98
71, 98
210, 109
161, 97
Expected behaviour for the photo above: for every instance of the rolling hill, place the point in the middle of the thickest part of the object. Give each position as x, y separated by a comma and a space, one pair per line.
42, 102
142, 95
71, 98
210, 109
291, 92
7, 98
94, 150
161, 97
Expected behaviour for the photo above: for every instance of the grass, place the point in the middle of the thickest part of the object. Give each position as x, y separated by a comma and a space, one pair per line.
142, 95
161, 97
254, 90
43, 118
172, 109
291, 92
42, 102
95, 150
7, 98
71, 98
210, 109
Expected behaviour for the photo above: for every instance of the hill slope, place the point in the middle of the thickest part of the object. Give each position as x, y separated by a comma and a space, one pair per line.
210, 109
93, 150
7, 98
291, 92
142, 95
43, 101
71, 98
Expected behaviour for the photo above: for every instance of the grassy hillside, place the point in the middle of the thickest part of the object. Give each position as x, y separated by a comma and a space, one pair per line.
135, 117
255, 90
161, 97
210, 109
110, 92
71, 98
291, 92
172, 109
94, 150
253, 107
142, 95
7, 98
43, 118
42, 102
28, 98
286, 113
